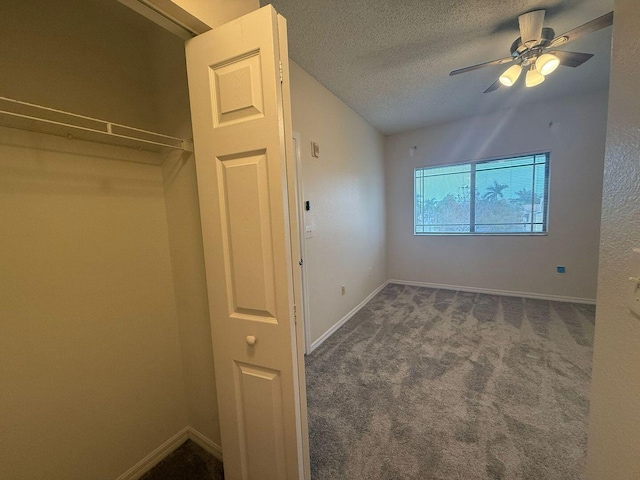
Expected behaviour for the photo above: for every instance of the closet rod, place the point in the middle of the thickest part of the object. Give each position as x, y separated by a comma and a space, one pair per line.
106, 130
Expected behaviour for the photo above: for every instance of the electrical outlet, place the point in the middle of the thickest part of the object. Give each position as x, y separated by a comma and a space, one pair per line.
343, 289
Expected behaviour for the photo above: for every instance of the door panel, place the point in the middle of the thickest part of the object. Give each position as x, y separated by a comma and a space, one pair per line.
237, 87
241, 162
261, 398
247, 231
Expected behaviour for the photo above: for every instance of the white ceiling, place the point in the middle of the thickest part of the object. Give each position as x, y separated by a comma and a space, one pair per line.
390, 60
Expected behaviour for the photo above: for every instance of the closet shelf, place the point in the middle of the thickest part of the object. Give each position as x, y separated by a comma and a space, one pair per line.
37, 118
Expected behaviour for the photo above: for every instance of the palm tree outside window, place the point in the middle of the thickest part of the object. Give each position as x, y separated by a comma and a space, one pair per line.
502, 196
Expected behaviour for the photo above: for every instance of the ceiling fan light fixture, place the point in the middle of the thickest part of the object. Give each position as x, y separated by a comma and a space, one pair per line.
528, 50
547, 63
511, 74
534, 77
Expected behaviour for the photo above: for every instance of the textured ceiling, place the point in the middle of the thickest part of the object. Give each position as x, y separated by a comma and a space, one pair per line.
390, 60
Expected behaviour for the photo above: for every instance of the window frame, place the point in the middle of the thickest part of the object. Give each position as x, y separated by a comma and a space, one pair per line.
472, 184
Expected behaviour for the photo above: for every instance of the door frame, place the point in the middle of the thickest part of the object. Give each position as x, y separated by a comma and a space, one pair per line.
306, 316
294, 208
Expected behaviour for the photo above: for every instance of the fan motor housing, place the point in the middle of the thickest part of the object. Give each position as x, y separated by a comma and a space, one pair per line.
520, 50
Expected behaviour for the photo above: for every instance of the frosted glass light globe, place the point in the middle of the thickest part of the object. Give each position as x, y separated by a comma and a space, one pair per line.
533, 78
510, 75
547, 63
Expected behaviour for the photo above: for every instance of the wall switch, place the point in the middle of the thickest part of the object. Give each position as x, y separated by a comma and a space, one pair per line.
560, 269
315, 150
343, 289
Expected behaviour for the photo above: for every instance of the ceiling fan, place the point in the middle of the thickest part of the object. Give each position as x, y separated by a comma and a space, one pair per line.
534, 50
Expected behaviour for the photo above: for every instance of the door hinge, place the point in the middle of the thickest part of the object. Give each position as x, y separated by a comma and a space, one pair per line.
281, 72
295, 314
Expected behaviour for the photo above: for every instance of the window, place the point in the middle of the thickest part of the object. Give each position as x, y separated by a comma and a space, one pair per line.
506, 196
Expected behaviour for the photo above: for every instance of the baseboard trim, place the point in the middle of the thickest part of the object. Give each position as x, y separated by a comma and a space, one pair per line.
164, 450
320, 340
508, 293
156, 456
209, 445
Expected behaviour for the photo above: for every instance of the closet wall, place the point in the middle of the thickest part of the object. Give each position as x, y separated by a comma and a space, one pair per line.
185, 237
93, 372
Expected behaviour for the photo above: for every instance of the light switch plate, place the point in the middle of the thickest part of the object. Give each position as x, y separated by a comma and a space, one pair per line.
315, 150
634, 290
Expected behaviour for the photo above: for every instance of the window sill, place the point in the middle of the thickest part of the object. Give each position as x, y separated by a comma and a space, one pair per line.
478, 234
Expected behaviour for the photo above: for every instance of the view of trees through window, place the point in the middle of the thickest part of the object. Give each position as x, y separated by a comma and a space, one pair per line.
495, 196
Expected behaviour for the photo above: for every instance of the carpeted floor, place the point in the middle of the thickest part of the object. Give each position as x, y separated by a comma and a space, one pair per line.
187, 462
436, 384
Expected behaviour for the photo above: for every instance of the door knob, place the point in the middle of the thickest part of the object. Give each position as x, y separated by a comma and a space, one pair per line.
251, 340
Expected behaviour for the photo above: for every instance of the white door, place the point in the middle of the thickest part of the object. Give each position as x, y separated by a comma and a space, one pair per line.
239, 115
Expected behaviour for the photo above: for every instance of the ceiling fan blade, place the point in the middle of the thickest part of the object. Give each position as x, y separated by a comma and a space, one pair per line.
572, 59
592, 26
494, 86
531, 27
500, 61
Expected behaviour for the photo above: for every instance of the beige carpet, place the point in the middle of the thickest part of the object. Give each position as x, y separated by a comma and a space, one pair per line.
436, 384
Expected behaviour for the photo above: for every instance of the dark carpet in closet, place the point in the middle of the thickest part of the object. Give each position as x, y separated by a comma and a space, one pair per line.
188, 462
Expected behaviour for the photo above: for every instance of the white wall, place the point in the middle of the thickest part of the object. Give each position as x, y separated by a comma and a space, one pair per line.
346, 189
90, 358
523, 264
614, 433
214, 12
83, 57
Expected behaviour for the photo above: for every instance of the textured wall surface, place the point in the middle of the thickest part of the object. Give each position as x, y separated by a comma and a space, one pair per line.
346, 189
524, 264
614, 435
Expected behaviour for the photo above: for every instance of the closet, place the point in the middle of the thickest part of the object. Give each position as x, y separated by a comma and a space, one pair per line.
105, 350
